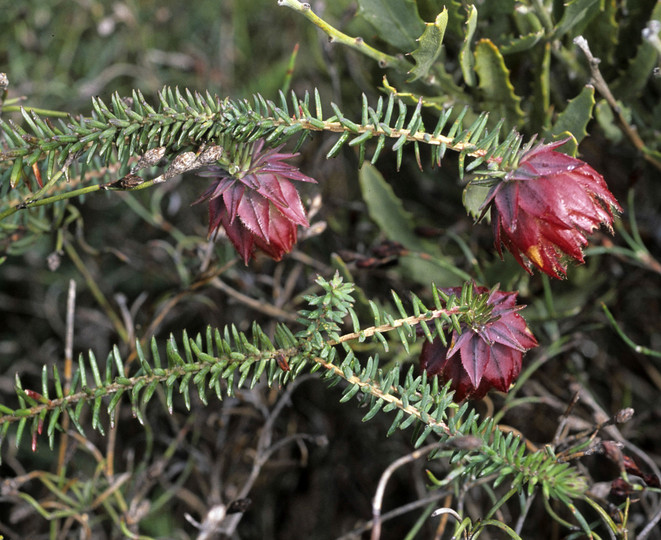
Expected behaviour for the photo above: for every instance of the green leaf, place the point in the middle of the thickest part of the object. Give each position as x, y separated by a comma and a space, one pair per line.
576, 115
577, 15
522, 43
386, 209
607, 121
603, 33
16, 172
540, 116
466, 58
499, 96
397, 23
631, 83
526, 21
456, 13
431, 42
473, 197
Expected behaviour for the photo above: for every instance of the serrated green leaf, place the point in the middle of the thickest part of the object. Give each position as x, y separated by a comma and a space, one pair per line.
473, 197
522, 43
603, 32
499, 97
631, 83
577, 15
430, 45
397, 23
466, 58
574, 119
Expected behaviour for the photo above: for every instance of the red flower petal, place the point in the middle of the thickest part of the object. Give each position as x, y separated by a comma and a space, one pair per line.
475, 357
284, 196
544, 210
267, 204
232, 198
253, 210
242, 239
489, 356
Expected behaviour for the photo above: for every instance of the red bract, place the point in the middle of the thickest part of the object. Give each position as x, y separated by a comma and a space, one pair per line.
257, 206
544, 210
485, 355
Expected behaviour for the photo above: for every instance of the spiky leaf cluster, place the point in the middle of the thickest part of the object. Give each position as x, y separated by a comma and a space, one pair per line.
186, 131
129, 127
220, 362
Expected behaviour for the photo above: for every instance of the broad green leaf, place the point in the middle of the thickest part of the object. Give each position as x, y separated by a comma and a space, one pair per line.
522, 43
466, 59
431, 43
527, 21
631, 83
386, 209
602, 33
576, 116
456, 13
576, 16
607, 121
396, 22
499, 97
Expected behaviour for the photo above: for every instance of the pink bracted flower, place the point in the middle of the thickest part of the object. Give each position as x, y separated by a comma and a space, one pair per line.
257, 206
544, 210
485, 355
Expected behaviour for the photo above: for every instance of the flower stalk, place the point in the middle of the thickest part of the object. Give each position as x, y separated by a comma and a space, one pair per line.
357, 43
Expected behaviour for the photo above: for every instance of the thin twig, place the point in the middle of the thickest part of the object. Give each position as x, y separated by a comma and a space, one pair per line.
651, 525
601, 85
383, 481
524, 514
411, 321
68, 370
96, 291
396, 512
263, 307
612, 430
384, 395
264, 451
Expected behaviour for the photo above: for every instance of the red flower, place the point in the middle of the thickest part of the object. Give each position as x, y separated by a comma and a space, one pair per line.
257, 206
544, 210
486, 354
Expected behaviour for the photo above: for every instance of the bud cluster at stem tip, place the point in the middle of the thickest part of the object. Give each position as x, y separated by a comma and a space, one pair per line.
486, 354
256, 203
543, 210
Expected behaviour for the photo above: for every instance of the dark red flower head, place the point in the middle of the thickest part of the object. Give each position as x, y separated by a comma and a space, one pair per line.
544, 210
256, 203
487, 354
